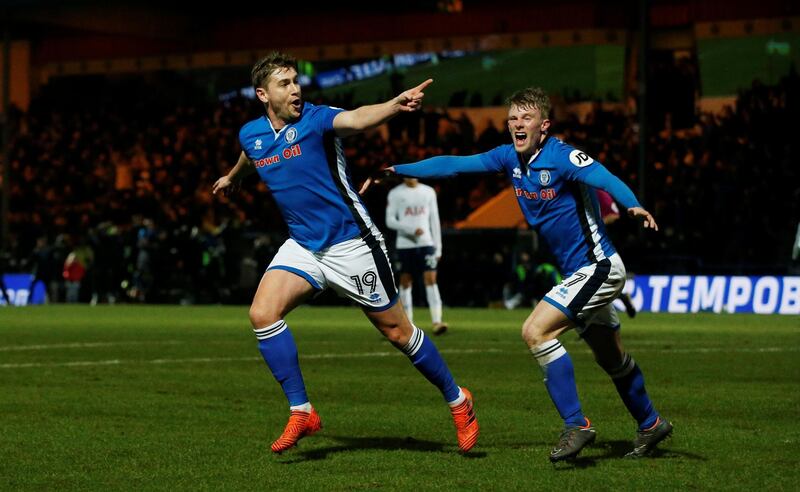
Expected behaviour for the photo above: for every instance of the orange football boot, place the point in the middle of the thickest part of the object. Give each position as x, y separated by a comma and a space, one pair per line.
467, 428
301, 424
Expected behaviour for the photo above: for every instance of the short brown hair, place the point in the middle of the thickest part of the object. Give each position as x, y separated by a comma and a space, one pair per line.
265, 66
531, 97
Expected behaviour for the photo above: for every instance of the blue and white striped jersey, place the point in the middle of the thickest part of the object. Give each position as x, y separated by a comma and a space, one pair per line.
303, 165
554, 191
556, 202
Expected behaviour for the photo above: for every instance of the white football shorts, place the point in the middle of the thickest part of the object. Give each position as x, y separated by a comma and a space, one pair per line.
351, 268
587, 295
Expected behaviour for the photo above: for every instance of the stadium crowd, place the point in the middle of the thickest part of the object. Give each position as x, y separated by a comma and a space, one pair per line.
112, 201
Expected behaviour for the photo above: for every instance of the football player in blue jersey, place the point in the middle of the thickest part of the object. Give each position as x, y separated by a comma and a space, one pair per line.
554, 184
296, 151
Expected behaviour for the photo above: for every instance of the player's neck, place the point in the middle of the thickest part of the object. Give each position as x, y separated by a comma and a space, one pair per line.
277, 122
536, 148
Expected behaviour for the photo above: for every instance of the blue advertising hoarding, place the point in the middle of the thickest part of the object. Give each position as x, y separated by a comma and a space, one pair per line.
17, 288
717, 294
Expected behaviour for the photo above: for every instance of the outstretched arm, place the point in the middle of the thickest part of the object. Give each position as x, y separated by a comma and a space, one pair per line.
230, 183
367, 117
443, 166
601, 178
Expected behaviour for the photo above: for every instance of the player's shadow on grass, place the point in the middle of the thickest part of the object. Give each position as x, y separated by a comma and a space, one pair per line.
349, 444
618, 449
614, 450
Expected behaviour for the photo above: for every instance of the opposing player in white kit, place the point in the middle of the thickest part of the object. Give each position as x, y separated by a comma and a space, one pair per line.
412, 211
295, 149
554, 185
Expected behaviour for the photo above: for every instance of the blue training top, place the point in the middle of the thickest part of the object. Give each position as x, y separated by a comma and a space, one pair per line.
303, 165
554, 191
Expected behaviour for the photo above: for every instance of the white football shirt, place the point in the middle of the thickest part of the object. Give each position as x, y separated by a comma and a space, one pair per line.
410, 208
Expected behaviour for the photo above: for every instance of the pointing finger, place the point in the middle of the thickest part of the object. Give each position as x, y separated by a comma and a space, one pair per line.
423, 85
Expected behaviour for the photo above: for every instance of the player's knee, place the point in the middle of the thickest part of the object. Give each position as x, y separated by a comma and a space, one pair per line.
395, 332
396, 337
608, 362
261, 316
534, 333
609, 358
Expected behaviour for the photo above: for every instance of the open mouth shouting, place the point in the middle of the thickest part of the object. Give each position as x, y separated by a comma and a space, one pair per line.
520, 138
296, 105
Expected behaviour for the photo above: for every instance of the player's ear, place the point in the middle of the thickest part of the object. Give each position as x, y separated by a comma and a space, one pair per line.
261, 93
545, 126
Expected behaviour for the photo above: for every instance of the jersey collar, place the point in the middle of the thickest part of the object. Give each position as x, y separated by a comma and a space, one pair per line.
276, 132
539, 150
529, 164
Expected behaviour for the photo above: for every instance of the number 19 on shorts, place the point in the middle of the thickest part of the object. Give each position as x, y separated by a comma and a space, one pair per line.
368, 279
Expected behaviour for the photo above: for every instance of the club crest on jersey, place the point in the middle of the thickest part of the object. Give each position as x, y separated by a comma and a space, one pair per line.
544, 177
291, 135
517, 173
580, 159
257, 145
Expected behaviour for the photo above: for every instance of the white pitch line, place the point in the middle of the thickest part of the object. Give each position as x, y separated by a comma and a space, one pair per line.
113, 362
22, 348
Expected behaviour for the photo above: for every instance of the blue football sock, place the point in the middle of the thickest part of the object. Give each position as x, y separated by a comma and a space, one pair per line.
629, 380
559, 378
280, 353
429, 362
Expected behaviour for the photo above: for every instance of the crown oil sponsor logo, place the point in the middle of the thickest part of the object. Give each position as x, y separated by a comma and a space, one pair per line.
546, 194
287, 154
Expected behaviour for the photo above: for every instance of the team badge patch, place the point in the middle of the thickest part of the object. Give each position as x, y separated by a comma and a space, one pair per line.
517, 173
257, 145
544, 178
579, 158
291, 135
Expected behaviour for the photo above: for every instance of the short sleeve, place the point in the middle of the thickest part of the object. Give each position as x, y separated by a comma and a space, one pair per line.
322, 118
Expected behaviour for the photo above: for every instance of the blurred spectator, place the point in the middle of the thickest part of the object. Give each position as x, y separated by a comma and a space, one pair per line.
43, 268
107, 248
75, 267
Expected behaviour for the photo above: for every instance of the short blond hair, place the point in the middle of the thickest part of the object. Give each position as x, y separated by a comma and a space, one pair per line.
531, 97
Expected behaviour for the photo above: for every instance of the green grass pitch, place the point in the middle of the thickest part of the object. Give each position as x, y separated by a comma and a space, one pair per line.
143, 398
